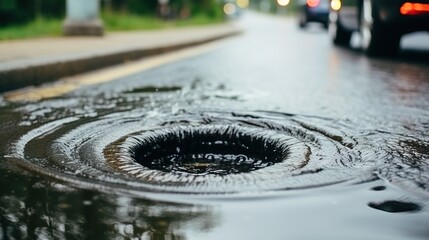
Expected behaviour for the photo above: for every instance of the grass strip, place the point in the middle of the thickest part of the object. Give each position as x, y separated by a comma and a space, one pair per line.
44, 27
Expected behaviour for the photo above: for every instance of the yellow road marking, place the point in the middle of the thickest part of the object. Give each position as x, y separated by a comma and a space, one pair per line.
69, 84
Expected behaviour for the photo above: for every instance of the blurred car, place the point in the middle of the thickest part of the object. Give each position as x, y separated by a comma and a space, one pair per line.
381, 23
313, 11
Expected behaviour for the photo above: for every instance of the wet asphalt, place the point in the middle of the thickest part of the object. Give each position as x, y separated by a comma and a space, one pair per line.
354, 131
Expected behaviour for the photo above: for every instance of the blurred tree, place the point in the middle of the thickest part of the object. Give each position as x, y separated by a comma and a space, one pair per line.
206, 7
177, 8
142, 7
52, 8
14, 12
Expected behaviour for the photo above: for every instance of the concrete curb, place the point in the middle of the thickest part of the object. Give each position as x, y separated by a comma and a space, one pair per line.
43, 72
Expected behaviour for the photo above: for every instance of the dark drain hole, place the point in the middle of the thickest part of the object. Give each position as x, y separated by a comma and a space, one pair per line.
208, 150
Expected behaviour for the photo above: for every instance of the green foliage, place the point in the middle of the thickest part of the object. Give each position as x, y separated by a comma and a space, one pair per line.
198, 20
14, 12
33, 18
121, 15
114, 21
37, 28
137, 7
125, 22
210, 8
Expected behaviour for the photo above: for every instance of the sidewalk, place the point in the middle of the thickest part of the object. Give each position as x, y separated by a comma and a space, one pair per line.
36, 61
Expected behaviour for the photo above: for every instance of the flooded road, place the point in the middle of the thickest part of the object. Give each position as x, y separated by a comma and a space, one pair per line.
274, 134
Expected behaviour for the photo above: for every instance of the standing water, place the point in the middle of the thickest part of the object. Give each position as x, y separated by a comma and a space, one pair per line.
215, 147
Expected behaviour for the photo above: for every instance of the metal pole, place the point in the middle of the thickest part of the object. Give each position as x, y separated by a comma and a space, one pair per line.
82, 18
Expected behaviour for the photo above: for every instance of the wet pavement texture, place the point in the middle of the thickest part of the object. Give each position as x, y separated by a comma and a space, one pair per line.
276, 134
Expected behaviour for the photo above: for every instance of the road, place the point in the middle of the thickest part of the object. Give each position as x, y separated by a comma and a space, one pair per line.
272, 134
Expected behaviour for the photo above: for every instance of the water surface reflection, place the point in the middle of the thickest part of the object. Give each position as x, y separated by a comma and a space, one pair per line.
355, 131
36, 208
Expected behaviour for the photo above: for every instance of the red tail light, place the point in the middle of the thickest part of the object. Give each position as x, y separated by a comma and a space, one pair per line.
313, 3
414, 8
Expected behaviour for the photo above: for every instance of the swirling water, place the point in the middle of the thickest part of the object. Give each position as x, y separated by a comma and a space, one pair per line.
200, 154
173, 166
214, 152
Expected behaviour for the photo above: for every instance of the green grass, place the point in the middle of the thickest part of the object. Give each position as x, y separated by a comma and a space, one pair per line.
199, 20
38, 28
127, 22
43, 27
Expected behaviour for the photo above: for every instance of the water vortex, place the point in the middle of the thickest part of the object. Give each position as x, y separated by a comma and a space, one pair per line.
218, 150
210, 152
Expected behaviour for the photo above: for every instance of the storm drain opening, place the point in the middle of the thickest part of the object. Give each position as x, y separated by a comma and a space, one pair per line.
216, 150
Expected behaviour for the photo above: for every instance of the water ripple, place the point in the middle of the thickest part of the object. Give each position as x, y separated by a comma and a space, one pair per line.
218, 152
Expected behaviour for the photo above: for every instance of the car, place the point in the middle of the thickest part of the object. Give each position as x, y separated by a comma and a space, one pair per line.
380, 23
313, 11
